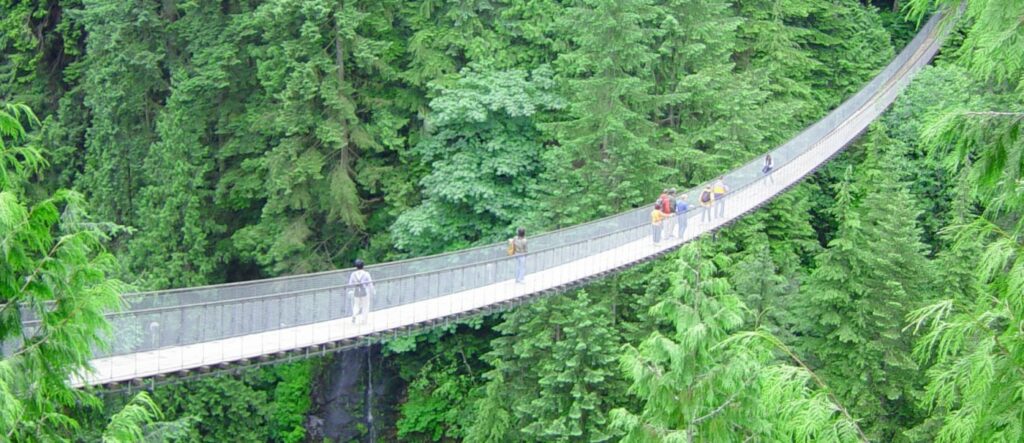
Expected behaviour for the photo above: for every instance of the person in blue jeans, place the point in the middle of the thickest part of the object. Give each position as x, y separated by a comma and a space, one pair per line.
519, 251
656, 222
682, 206
720, 189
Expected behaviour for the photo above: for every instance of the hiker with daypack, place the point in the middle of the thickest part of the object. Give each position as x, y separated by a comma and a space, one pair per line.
707, 202
720, 189
769, 164
360, 290
517, 248
668, 203
682, 206
656, 218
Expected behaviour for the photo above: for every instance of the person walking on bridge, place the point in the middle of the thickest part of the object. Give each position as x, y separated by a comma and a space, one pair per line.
360, 290
656, 218
668, 203
720, 189
707, 202
682, 206
769, 164
517, 248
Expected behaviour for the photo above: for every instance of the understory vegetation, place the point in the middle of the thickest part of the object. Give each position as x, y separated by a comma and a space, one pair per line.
160, 144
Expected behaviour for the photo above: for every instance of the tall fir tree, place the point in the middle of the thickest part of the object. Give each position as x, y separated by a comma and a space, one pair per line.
54, 272
704, 379
124, 89
604, 147
320, 129
874, 272
972, 335
554, 374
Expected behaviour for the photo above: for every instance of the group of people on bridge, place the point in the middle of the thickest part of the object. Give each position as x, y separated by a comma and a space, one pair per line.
668, 220
669, 216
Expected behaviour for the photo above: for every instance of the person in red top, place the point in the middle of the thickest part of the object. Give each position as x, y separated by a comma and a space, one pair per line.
668, 208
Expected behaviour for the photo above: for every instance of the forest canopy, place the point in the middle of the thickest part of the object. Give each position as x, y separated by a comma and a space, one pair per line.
183, 143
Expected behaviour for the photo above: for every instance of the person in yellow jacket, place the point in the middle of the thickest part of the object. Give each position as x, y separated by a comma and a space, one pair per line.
720, 189
707, 201
656, 218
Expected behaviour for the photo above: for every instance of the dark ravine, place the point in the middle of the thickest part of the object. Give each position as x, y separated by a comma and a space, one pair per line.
343, 409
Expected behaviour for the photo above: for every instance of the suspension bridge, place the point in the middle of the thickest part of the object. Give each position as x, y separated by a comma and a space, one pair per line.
182, 332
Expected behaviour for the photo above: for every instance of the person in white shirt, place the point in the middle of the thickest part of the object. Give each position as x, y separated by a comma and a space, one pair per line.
769, 164
360, 290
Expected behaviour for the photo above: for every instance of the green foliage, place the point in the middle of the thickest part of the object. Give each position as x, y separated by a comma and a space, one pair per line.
443, 370
854, 302
705, 380
484, 151
606, 140
123, 86
54, 272
224, 409
993, 48
249, 139
127, 425
969, 335
265, 404
553, 373
291, 401
54, 269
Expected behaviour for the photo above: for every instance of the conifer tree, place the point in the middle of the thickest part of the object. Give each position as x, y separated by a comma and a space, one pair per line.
604, 147
554, 374
320, 129
705, 380
124, 87
53, 271
181, 220
972, 335
708, 113
852, 307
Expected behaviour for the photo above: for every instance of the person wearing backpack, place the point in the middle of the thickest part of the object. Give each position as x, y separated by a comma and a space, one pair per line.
656, 218
720, 189
668, 205
360, 289
682, 206
769, 164
517, 248
707, 201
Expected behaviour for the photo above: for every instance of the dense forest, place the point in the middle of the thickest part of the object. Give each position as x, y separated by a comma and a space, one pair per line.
161, 144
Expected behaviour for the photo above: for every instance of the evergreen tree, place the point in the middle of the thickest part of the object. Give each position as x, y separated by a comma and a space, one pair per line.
853, 305
554, 374
972, 334
444, 371
699, 382
124, 88
605, 145
53, 271
182, 221
708, 113
320, 128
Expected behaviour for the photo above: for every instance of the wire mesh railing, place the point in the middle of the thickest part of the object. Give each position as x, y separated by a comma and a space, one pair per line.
192, 316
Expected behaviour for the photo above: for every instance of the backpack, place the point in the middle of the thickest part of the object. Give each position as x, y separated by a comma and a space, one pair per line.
705, 197
511, 246
667, 205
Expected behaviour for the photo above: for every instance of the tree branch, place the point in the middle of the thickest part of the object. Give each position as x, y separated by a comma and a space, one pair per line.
994, 114
821, 384
719, 409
